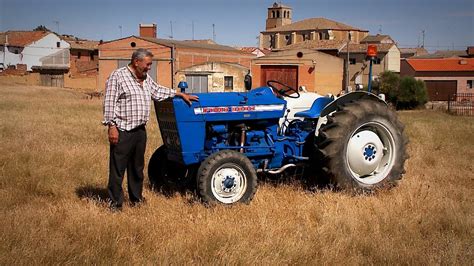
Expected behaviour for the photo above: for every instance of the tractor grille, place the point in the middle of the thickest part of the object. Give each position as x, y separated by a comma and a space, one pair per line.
168, 128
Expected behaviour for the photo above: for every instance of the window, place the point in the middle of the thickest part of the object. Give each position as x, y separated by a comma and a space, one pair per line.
278, 13
92, 56
78, 55
272, 41
228, 83
469, 84
305, 37
273, 14
16, 51
58, 44
288, 39
197, 83
377, 61
352, 61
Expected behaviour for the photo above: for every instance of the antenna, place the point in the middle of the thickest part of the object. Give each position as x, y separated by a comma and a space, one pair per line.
193, 28
214, 32
120, 27
380, 29
57, 26
423, 38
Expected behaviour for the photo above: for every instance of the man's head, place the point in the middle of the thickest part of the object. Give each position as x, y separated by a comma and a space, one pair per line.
141, 62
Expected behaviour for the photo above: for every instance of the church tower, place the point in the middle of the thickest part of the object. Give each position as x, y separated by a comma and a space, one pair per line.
278, 15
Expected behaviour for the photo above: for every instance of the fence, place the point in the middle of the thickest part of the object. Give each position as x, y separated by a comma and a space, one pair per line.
461, 104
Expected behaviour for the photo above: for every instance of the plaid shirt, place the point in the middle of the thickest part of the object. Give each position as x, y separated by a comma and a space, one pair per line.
127, 103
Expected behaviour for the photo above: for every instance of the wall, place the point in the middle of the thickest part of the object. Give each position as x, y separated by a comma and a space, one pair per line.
281, 41
31, 79
110, 52
82, 83
317, 71
34, 52
392, 60
217, 71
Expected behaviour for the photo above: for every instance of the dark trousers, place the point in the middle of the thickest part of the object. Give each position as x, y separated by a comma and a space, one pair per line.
128, 154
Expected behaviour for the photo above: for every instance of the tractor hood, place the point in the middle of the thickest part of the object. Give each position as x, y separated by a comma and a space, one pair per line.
259, 103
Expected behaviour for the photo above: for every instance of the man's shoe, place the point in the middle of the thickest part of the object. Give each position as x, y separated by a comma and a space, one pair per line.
139, 203
115, 208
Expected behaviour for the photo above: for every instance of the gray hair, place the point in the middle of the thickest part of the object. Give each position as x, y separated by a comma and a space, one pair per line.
141, 53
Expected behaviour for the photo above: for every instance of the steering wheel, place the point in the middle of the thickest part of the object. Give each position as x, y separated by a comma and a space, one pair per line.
272, 83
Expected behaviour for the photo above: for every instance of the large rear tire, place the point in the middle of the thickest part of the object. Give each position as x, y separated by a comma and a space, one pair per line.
165, 175
227, 177
362, 146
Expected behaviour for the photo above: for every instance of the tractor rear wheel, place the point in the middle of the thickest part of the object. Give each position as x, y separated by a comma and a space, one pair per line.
165, 175
362, 146
226, 177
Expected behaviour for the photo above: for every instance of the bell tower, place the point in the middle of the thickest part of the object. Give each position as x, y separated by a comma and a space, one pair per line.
278, 15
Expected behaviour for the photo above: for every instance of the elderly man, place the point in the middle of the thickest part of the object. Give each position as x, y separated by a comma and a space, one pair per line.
126, 112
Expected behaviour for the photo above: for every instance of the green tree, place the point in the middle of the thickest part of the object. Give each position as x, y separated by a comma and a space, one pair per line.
388, 84
411, 93
41, 28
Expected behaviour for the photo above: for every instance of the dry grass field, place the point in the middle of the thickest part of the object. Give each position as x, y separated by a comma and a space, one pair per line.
53, 174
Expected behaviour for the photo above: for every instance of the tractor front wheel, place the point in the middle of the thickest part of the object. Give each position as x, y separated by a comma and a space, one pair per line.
227, 177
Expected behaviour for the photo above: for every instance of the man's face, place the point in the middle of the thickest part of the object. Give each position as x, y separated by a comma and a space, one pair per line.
142, 66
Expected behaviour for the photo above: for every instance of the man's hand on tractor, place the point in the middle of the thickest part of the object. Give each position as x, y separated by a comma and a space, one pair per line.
188, 98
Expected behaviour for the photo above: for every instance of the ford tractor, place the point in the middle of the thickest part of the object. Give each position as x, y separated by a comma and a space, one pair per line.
224, 140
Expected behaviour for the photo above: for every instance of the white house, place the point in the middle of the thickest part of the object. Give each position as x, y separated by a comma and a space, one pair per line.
40, 49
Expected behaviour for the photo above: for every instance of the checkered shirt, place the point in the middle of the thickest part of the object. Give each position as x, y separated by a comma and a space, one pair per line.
127, 103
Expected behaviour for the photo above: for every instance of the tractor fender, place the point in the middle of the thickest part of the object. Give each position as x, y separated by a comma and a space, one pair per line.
349, 97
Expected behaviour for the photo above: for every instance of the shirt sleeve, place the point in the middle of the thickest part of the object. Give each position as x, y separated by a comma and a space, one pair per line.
159, 93
110, 99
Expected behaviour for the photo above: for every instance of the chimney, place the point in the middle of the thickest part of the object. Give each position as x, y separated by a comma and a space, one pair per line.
147, 30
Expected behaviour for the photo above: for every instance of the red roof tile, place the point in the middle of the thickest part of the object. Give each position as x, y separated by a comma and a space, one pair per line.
446, 64
21, 38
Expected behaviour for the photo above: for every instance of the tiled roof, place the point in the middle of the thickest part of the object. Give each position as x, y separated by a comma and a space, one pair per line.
252, 49
190, 44
375, 38
445, 54
446, 64
80, 44
416, 51
21, 38
314, 24
362, 48
317, 44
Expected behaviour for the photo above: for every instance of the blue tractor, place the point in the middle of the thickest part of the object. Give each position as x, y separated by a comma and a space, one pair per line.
224, 140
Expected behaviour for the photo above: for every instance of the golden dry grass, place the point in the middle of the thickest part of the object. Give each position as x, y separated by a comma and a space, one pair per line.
53, 174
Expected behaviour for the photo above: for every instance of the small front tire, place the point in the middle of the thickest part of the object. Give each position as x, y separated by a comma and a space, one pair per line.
227, 177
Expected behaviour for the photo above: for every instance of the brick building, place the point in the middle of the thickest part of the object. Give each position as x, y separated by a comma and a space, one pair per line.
317, 71
84, 56
443, 77
204, 64
280, 31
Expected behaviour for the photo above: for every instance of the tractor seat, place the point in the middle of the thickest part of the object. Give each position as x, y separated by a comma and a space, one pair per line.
316, 108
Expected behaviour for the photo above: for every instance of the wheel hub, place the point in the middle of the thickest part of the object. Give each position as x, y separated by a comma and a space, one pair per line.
363, 152
228, 183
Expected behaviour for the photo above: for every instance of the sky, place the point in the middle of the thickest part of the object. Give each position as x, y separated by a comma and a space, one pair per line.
447, 24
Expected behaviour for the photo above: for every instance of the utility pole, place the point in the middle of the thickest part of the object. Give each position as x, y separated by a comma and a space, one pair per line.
214, 32
171, 26
346, 89
193, 28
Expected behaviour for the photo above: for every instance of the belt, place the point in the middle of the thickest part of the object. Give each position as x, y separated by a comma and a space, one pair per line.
140, 127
